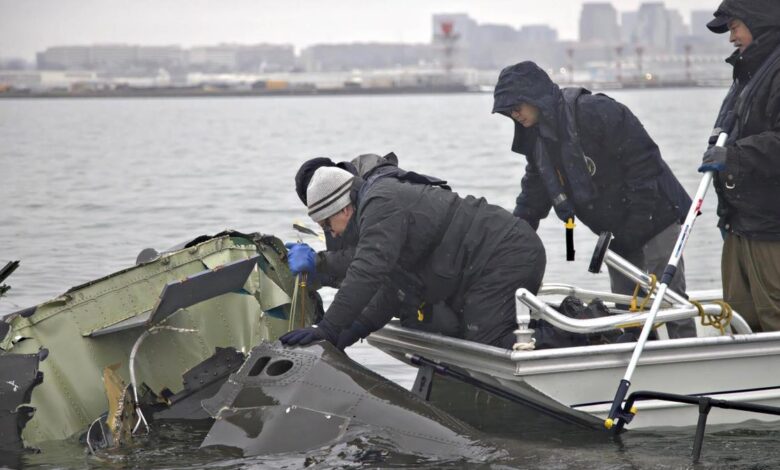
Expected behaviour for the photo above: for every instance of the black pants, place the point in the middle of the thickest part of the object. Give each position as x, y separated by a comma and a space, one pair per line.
488, 313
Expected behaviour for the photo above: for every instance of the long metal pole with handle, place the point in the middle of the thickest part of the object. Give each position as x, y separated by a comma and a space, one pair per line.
666, 279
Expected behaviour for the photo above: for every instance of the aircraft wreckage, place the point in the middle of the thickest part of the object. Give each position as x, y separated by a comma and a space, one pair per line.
184, 334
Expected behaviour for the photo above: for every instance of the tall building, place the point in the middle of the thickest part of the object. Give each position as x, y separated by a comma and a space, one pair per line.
676, 28
598, 23
628, 22
652, 29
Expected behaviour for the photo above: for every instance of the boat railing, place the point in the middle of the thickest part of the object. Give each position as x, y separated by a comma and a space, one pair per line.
529, 307
675, 306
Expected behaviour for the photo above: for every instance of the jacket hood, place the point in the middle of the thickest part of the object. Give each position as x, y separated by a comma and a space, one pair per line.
758, 15
367, 162
527, 83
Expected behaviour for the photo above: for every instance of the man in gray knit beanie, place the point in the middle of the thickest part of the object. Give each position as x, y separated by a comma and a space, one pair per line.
462, 251
328, 195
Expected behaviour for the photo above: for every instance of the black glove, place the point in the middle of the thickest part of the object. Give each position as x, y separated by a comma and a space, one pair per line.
303, 336
351, 335
714, 159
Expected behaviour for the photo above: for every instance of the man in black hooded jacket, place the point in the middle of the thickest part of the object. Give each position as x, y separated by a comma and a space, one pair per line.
748, 166
467, 253
590, 157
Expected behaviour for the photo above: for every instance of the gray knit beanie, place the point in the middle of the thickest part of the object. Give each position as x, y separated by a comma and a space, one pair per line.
328, 192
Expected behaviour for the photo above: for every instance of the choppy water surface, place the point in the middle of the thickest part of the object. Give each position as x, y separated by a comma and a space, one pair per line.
86, 184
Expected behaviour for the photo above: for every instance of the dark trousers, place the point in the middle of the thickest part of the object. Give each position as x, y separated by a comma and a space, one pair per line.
751, 280
488, 313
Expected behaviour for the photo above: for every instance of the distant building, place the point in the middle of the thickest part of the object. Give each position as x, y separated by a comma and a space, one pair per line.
598, 23
64, 58
454, 37
652, 28
262, 58
161, 57
538, 43
628, 23
257, 58
113, 57
539, 34
462, 42
221, 58
676, 28
346, 57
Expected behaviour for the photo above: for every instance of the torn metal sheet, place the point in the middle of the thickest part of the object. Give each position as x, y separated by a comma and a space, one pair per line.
201, 286
201, 382
19, 375
115, 428
279, 392
116, 306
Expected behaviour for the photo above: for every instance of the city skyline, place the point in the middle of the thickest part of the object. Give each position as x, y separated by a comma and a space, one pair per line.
31, 26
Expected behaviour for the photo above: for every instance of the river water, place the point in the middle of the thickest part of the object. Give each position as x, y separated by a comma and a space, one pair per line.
86, 184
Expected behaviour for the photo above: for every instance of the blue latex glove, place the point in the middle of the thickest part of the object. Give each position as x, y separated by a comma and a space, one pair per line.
351, 335
714, 159
301, 258
303, 336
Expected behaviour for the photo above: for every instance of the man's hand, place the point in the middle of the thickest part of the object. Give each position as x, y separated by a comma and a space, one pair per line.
714, 159
301, 258
303, 336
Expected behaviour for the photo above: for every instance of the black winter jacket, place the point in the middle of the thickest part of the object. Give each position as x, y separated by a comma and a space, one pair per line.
610, 169
749, 187
433, 234
332, 263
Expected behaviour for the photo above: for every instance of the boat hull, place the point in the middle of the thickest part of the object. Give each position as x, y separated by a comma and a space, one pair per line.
581, 381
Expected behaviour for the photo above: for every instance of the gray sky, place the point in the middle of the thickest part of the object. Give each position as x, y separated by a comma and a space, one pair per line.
29, 26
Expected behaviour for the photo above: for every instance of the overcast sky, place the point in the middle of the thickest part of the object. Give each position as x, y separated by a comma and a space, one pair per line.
29, 26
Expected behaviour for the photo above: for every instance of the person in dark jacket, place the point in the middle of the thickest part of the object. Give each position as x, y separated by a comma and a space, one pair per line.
329, 267
590, 157
467, 253
748, 166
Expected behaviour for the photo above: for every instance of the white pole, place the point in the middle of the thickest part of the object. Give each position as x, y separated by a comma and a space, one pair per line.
666, 279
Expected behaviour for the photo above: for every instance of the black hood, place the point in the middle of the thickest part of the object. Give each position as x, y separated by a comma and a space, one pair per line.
758, 15
527, 83
306, 171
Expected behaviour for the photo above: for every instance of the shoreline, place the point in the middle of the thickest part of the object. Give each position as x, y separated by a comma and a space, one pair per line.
200, 92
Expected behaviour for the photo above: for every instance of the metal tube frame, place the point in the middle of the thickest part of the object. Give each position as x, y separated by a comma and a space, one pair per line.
530, 307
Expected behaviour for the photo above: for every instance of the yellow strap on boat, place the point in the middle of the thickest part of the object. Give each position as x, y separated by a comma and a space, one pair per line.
720, 321
634, 299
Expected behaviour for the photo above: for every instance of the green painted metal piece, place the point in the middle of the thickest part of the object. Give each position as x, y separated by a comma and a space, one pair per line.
72, 394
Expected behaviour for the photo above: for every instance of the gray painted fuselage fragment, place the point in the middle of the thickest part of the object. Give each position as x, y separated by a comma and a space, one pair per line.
298, 399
